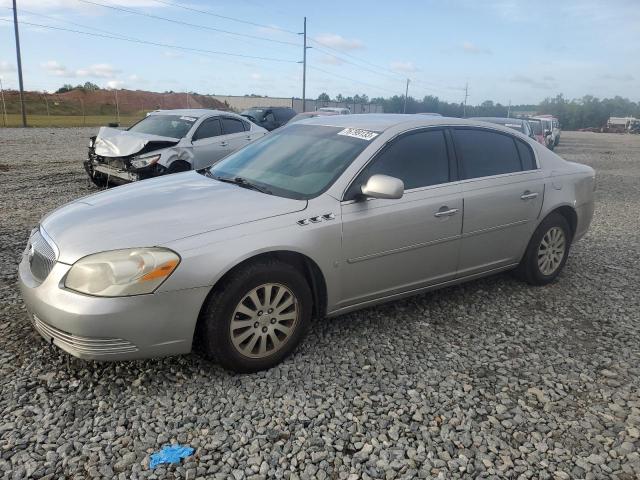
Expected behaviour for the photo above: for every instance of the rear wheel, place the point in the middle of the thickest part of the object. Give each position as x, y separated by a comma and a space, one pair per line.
257, 317
547, 251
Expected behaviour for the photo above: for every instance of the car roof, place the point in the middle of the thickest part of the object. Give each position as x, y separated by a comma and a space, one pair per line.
499, 119
191, 112
383, 121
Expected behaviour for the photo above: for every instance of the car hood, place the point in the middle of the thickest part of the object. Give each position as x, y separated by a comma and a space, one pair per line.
111, 142
156, 211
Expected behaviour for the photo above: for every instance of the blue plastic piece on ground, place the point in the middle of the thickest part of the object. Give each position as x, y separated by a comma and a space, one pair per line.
170, 454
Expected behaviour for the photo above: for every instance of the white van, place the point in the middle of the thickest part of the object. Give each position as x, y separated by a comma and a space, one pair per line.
338, 110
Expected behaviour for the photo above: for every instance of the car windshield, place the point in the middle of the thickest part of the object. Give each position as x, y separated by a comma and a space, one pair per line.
536, 127
256, 113
299, 161
172, 126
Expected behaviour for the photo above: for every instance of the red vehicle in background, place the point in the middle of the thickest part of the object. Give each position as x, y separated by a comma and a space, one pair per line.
538, 130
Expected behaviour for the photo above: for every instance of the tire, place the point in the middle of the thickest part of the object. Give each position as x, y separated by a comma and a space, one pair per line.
179, 166
99, 179
532, 267
556, 141
243, 336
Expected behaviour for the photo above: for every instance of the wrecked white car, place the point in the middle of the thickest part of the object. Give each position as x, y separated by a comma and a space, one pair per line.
167, 141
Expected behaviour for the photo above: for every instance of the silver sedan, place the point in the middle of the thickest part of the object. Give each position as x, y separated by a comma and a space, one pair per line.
319, 218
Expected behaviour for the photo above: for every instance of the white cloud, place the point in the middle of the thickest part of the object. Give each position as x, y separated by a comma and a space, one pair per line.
547, 82
57, 69
256, 76
403, 67
99, 70
331, 60
336, 41
468, 47
115, 84
624, 77
6, 67
172, 54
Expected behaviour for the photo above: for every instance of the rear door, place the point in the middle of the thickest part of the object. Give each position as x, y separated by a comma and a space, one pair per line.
393, 246
234, 133
503, 191
209, 145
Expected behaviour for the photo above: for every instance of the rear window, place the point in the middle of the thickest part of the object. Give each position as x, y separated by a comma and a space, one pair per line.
232, 125
526, 156
485, 153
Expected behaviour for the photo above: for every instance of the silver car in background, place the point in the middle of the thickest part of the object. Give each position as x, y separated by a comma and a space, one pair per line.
167, 141
319, 218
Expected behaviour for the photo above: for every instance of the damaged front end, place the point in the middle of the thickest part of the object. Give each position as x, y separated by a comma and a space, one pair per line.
117, 158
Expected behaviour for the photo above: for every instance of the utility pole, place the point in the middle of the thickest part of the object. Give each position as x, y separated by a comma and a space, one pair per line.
117, 109
46, 102
466, 94
15, 26
4, 107
406, 94
304, 66
509, 110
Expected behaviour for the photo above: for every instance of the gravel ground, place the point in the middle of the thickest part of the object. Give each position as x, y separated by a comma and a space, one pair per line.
490, 379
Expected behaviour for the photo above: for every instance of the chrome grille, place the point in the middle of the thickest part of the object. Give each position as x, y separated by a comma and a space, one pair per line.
76, 344
42, 256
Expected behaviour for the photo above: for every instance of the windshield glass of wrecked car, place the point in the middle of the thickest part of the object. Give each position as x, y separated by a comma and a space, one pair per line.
536, 127
173, 126
298, 161
255, 113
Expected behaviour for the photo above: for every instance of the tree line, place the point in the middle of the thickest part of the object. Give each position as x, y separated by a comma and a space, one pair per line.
588, 111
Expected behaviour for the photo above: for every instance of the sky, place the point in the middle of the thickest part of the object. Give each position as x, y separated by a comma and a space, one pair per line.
504, 50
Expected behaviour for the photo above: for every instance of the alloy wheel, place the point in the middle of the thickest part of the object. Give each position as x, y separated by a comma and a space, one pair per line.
264, 320
551, 250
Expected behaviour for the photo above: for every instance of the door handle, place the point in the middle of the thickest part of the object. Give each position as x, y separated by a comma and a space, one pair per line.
223, 144
445, 213
528, 195
248, 137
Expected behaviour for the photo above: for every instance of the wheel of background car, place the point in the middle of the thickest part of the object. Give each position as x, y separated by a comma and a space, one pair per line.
257, 316
547, 251
179, 166
99, 179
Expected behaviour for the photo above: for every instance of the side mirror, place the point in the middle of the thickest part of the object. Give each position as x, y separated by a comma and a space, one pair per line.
383, 186
547, 132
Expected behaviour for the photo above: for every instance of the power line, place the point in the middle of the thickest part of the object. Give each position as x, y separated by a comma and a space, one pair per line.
157, 44
180, 22
351, 79
233, 19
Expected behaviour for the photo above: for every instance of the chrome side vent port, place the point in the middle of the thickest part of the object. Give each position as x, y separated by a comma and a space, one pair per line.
303, 222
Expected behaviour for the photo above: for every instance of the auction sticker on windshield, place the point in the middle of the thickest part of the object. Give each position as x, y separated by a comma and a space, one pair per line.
358, 133
188, 119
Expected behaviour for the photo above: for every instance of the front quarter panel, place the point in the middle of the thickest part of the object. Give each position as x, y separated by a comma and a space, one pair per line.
207, 257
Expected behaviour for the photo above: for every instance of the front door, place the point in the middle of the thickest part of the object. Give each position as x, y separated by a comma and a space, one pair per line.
394, 246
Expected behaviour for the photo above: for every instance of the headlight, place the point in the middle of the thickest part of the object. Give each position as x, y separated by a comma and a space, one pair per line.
91, 143
120, 273
144, 162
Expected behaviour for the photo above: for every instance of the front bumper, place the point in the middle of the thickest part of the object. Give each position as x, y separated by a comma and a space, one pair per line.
121, 172
121, 328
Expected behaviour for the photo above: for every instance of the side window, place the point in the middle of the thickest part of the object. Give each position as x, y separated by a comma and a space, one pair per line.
526, 156
232, 125
209, 128
418, 159
247, 125
486, 153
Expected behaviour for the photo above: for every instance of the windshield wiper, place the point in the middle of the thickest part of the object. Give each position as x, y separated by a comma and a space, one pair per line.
243, 182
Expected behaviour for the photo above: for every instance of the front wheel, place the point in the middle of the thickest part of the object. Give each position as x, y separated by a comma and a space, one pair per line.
257, 316
547, 251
